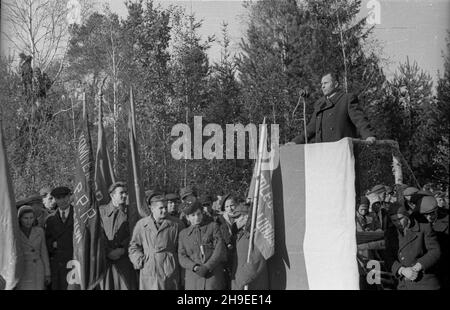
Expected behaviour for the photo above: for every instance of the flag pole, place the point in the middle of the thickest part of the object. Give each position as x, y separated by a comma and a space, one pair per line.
133, 154
256, 192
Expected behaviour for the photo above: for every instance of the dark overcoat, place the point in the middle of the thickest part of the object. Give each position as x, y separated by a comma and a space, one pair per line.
336, 118
61, 252
440, 226
418, 244
255, 273
154, 251
203, 245
120, 274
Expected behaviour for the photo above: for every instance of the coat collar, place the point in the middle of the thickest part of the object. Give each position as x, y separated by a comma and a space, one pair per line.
33, 235
110, 209
410, 235
150, 224
328, 103
201, 226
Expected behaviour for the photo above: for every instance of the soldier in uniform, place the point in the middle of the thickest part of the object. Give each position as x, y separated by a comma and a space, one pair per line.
120, 274
59, 236
201, 250
154, 246
413, 253
173, 204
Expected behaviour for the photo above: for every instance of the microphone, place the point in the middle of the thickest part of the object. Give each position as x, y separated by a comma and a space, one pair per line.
304, 92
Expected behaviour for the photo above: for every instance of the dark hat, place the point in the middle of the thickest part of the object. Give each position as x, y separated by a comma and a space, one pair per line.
187, 191
241, 209
60, 192
364, 201
427, 204
190, 205
154, 196
115, 185
439, 194
29, 200
377, 189
206, 200
397, 208
24, 209
424, 193
44, 191
172, 197
409, 191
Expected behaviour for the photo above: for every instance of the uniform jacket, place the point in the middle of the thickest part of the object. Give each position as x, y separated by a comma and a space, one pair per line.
203, 245
254, 274
154, 251
336, 118
36, 262
120, 274
61, 233
418, 244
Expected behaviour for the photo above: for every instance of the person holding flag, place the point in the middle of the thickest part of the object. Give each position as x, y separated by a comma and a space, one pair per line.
252, 273
120, 274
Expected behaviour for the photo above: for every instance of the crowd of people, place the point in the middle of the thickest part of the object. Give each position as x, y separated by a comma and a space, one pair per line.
187, 242
414, 227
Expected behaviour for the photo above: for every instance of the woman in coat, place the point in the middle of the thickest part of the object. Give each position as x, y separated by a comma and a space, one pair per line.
201, 250
412, 252
154, 245
36, 273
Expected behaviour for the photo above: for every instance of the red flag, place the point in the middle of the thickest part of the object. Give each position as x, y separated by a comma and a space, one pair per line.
261, 188
104, 175
137, 205
89, 255
11, 255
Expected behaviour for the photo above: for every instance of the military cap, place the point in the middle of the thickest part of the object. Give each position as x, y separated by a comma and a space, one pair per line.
115, 185
241, 209
206, 200
24, 209
427, 204
60, 192
188, 190
364, 201
190, 205
377, 189
397, 208
44, 191
410, 191
155, 196
172, 197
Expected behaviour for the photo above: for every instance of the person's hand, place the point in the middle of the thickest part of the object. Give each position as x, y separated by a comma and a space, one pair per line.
371, 140
417, 267
201, 270
47, 280
409, 273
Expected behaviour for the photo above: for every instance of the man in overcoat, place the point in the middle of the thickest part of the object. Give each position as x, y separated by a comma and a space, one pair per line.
336, 115
120, 274
154, 247
59, 237
413, 253
201, 250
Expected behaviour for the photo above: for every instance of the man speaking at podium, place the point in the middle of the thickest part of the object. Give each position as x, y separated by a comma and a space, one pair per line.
336, 115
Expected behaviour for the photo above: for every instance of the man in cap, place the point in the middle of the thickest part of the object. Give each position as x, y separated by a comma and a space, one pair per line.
364, 220
201, 250
253, 273
413, 253
439, 221
207, 202
154, 246
173, 204
378, 207
188, 191
59, 236
120, 274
